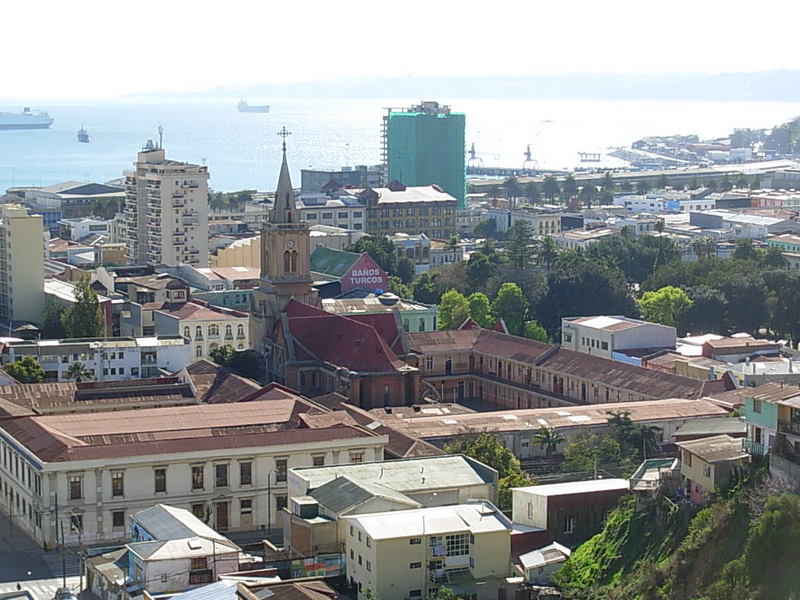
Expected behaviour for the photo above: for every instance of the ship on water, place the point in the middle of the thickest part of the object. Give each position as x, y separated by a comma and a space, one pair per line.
245, 107
83, 136
27, 119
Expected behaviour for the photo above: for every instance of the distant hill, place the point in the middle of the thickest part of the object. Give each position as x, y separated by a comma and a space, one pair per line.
761, 86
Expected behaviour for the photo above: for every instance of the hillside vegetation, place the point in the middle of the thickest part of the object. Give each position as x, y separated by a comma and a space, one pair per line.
744, 546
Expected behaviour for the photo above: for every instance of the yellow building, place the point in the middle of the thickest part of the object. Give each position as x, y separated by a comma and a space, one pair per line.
411, 553
21, 264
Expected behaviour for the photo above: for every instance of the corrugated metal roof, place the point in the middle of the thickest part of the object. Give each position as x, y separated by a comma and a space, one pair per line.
342, 494
576, 487
166, 522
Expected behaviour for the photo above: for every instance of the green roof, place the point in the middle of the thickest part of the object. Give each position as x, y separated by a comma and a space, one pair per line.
332, 262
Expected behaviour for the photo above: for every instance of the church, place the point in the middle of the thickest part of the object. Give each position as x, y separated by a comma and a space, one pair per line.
308, 349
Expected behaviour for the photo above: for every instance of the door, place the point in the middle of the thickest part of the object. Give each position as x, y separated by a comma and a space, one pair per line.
460, 391
222, 516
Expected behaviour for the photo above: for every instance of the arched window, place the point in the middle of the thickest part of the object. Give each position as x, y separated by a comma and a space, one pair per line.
198, 333
228, 331
286, 261
198, 351
422, 324
186, 333
213, 330
241, 346
240, 331
294, 261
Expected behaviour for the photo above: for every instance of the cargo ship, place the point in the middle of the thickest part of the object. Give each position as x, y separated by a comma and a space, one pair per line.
245, 107
27, 119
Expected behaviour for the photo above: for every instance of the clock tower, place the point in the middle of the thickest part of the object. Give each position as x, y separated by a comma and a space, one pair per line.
285, 259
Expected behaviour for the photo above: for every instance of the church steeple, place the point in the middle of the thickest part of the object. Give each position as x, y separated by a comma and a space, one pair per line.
284, 210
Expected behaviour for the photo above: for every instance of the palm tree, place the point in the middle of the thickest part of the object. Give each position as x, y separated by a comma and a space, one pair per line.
548, 439
704, 247
547, 251
78, 372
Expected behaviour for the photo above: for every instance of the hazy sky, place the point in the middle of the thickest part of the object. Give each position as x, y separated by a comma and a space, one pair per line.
102, 48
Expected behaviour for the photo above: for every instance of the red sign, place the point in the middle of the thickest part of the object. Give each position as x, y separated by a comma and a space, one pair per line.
365, 274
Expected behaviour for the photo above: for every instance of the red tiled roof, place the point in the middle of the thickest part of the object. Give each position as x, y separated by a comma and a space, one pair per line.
58, 438
341, 341
217, 384
386, 324
301, 309
195, 311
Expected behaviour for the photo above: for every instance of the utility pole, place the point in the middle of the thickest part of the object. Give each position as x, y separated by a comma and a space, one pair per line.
63, 556
269, 504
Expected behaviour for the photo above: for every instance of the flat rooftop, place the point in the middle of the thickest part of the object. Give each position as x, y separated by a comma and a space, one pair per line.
576, 487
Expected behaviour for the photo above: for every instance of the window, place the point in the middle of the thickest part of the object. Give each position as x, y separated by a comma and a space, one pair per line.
687, 458
351, 531
415, 565
369, 566
604, 345
197, 477
415, 541
245, 473
118, 519
414, 593
352, 554
707, 471
530, 510
198, 352
341, 215
246, 506
280, 469
280, 501
75, 487
221, 475
199, 564
160, 478
756, 405
360, 560
76, 523
117, 483
318, 460
359, 536
569, 524
429, 363
199, 510
457, 544
356, 456
327, 215
369, 542
164, 577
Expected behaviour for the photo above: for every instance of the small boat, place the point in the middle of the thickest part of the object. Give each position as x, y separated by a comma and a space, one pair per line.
245, 107
83, 136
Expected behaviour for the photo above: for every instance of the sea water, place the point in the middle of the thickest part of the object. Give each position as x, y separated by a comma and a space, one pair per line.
242, 150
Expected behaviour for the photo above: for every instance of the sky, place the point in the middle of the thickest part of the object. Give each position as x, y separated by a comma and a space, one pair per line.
91, 49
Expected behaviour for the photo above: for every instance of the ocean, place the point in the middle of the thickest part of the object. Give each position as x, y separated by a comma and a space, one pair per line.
242, 150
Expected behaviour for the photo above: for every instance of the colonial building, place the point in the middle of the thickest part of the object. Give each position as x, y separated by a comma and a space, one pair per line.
226, 463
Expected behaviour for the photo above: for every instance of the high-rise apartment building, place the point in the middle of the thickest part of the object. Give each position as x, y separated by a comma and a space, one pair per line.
166, 210
424, 145
21, 264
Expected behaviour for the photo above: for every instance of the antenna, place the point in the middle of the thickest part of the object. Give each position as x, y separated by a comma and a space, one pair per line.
160, 137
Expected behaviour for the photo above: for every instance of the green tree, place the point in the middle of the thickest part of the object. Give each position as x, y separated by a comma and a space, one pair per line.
726, 185
709, 311
405, 270
83, 318
642, 186
711, 185
534, 331
588, 451
78, 372
635, 439
427, 289
546, 252
755, 184
741, 181
400, 289
607, 185
662, 182
745, 250
381, 249
52, 329
488, 449
569, 188
479, 309
532, 193
587, 195
512, 188
550, 188
704, 247
548, 439
453, 310
242, 362
520, 246
774, 258
665, 305
511, 306
26, 370
485, 229
693, 183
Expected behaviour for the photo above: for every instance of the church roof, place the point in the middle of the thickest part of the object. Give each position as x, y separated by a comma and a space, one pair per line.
284, 204
341, 341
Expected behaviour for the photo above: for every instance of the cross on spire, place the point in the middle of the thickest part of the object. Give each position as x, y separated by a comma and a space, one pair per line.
284, 134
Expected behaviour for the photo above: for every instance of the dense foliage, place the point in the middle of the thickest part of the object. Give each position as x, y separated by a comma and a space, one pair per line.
26, 370
83, 318
242, 362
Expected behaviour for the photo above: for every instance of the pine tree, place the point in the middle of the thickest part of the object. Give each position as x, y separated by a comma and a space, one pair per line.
83, 318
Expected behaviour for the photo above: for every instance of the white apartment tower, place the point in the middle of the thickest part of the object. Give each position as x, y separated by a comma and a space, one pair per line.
166, 210
21, 264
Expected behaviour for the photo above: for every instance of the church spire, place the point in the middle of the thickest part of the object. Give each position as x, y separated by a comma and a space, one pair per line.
284, 210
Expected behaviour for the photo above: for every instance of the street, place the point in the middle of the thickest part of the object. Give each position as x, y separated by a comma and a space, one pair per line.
23, 562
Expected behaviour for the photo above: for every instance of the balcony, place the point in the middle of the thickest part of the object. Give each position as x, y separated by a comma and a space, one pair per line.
791, 427
755, 448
